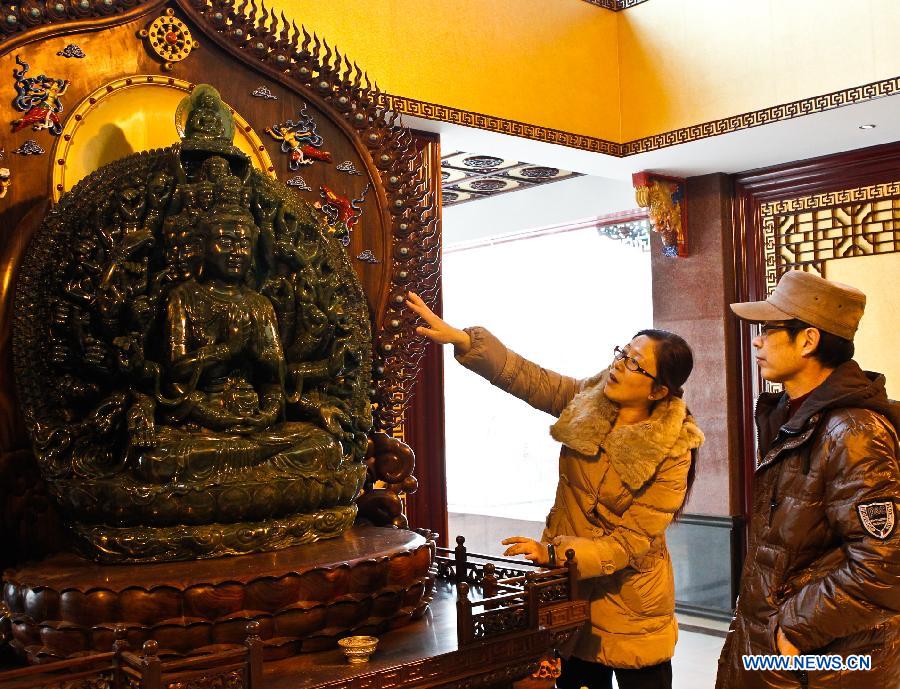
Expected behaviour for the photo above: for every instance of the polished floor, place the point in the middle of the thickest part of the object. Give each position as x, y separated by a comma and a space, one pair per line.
695, 661
694, 664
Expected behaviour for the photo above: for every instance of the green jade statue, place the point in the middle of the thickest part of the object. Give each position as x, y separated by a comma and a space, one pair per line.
195, 371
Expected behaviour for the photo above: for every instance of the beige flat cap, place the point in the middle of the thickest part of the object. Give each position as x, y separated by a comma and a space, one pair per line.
832, 307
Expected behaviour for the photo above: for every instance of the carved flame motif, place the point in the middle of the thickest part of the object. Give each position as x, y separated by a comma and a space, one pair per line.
72, 51
29, 148
367, 257
348, 167
299, 183
264, 93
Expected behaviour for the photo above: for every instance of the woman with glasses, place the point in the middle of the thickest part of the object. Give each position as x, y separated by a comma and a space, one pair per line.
628, 457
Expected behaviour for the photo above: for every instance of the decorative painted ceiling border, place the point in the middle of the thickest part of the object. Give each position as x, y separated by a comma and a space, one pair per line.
477, 120
696, 132
757, 118
615, 5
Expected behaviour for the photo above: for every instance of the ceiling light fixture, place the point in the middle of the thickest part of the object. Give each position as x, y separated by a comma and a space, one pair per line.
867, 126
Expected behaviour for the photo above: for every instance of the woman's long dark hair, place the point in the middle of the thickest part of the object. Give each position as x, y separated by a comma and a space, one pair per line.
674, 363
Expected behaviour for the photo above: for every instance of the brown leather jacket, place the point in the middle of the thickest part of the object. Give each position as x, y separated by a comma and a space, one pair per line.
823, 561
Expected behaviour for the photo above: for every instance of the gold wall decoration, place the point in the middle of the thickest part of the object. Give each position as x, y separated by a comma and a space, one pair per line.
664, 197
169, 39
128, 115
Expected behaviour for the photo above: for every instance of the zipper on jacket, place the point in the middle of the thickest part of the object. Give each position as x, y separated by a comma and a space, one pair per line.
808, 447
773, 503
759, 454
803, 676
790, 444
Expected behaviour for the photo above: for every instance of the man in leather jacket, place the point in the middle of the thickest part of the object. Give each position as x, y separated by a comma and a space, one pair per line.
822, 573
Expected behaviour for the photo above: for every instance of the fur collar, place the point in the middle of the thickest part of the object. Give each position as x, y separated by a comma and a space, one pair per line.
634, 451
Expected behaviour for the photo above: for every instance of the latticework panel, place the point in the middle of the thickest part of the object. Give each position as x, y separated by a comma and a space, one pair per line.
805, 233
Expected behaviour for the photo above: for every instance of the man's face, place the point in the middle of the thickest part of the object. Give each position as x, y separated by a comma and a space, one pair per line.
780, 352
229, 249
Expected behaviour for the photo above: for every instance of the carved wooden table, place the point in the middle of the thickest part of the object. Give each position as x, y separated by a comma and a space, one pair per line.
424, 654
491, 622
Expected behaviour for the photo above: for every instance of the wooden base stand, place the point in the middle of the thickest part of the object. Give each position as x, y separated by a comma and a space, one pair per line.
367, 581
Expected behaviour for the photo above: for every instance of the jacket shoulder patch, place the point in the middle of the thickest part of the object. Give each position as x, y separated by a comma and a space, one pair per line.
877, 518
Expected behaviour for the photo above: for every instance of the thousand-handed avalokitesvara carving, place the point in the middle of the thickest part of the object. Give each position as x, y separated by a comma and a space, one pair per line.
193, 356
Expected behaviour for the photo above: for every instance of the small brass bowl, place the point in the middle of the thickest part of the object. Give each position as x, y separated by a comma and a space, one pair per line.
358, 648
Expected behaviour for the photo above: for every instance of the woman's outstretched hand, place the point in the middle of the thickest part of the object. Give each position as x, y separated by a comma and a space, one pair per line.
531, 549
437, 329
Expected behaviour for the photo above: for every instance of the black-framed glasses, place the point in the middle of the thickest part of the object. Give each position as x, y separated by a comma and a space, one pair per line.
793, 327
631, 363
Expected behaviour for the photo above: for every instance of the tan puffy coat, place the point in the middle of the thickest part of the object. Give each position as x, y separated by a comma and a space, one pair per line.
618, 491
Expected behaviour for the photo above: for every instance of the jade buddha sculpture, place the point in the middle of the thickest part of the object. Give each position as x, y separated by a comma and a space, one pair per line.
193, 356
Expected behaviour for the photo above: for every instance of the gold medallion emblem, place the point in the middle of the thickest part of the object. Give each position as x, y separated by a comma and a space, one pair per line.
169, 39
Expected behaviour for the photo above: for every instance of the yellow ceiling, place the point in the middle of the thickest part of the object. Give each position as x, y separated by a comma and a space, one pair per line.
684, 62
569, 65
548, 63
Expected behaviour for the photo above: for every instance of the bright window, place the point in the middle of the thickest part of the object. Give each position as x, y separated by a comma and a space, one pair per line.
562, 300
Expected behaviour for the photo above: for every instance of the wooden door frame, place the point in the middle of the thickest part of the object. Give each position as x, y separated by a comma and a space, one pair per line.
848, 170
